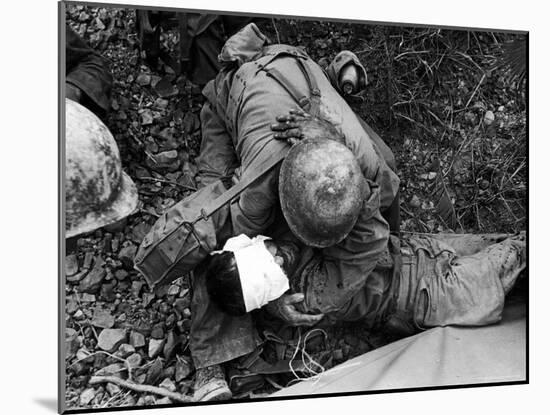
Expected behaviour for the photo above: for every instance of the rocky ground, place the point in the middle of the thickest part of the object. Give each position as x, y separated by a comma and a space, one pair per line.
453, 116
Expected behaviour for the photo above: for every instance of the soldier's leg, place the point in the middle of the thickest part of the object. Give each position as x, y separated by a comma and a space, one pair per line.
215, 336
435, 287
204, 52
469, 290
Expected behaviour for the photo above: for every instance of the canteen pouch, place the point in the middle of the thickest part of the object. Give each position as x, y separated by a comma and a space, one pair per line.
180, 239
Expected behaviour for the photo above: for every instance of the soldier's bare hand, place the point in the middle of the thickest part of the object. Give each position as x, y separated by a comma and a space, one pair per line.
297, 125
289, 127
284, 308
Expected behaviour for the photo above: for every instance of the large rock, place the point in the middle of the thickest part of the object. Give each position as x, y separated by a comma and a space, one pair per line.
190, 122
143, 79
182, 303
71, 265
137, 339
136, 288
154, 372
174, 289
88, 259
139, 231
121, 274
157, 332
168, 385
78, 277
71, 342
155, 347
87, 396
125, 350
107, 292
165, 88
166, 161
87, 298
146, 117
168, 140
127, 254
183, 369
103, 319
115, 369
112, 389
71, 305
147, 298
489, 118
110, 339
92, 282
170, 346
134, 360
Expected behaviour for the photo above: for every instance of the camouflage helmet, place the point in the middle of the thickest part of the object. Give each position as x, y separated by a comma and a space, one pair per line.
321, 189
97, 191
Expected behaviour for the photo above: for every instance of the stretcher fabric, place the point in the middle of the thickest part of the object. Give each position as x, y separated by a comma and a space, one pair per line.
442, 356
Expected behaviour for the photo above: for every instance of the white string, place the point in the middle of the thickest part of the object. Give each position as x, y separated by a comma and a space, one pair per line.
311, 363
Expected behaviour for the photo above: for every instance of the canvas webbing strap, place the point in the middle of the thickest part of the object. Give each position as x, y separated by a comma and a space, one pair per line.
233, 192
311, 104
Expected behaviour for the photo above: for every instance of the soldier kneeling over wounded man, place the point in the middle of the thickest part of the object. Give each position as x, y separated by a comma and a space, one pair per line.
419, 281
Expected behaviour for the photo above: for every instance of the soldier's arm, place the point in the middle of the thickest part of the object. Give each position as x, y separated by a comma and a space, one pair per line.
217, 158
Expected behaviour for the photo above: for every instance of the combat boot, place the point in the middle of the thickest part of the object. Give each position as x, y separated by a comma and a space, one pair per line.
210, 385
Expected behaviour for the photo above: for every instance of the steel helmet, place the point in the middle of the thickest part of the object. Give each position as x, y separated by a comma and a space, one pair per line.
97, 191
321, 189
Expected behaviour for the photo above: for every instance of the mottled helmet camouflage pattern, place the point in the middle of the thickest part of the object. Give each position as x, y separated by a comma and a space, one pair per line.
97, 191
321, 189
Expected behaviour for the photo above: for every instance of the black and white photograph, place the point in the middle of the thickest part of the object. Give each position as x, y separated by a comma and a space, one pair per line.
263, 207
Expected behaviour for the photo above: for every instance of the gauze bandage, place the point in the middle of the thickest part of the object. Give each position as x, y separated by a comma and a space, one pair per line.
262, 280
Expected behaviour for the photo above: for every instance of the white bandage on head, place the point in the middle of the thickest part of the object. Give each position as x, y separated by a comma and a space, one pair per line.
262, 280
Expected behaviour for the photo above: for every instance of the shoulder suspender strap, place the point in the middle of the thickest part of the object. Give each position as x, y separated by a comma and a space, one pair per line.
314, 92
311, 103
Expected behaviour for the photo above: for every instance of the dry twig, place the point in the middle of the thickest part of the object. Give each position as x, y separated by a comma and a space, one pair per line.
178, 397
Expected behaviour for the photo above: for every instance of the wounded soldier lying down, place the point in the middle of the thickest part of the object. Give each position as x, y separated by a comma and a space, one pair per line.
435, 280
425, 281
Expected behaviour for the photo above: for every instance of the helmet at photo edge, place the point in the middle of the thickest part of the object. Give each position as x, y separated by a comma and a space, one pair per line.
97, 191
321, 189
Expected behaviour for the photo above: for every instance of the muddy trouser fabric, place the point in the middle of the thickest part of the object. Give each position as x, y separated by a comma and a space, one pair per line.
215, 336
89, 71
206, 38
443, 279
462, 280
206, 46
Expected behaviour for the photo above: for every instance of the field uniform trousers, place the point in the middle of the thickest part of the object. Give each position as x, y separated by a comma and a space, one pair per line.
444, 279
